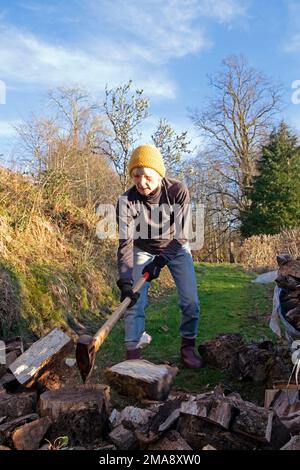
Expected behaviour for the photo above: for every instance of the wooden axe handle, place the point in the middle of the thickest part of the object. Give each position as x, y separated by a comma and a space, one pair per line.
105, 329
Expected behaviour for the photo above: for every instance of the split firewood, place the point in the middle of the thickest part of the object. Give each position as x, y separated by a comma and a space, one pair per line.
290, 268
6, 429
29, 436
292, 422
131, 417
14, 345
166, 417
124, 439
218, 412
253, 421
16, 405
9, 383
293, 444
219, 352
142, 379
171, 441
287, 282
293, 317
270, 396
199, 433
41, 357
258, 361
283, 258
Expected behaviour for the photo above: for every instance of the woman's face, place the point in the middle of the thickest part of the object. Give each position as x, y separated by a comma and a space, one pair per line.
146, 180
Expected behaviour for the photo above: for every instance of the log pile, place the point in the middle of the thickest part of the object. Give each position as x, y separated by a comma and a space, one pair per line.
257, 361
289, 279
215, 420
38, 414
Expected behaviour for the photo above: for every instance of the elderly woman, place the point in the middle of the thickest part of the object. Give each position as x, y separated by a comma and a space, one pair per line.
149, 214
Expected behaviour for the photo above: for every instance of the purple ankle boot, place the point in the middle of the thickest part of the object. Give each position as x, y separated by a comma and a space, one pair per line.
189, 358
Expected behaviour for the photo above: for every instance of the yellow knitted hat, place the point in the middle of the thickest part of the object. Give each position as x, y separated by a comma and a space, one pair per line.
148, 156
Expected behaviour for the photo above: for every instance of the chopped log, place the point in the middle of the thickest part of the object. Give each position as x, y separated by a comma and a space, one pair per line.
164, 418
286, 402
166, 415
115, 418
29, 436
14, 406
9, 383
221, 413
198, 408
14, 345
270, 395
7, 428
253, 421
199, 433
290, 268
280, 434
214, 410
133, 418
169, 421
293, 444
293, 317
287, 282
260, 362
41, 356
123, 438
283, 258
142, 379
3, 370
171, 441
80, 412
257, 361
220, 352
10, 358
292, 422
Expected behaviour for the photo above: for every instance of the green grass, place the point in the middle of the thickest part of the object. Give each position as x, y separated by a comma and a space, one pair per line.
229, 303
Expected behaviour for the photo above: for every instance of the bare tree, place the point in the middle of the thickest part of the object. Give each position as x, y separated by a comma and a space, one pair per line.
125, 110
235, 124
60, 148
173, 147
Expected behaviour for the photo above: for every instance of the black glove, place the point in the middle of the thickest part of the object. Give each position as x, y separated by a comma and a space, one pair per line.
126, 291
154, 267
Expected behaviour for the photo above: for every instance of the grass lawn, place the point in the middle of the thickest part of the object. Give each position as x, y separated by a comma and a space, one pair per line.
229, 303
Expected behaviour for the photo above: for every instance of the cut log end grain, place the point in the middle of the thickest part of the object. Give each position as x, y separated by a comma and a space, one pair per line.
142, 379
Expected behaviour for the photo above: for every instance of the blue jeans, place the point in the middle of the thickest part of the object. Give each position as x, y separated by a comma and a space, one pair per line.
183, 273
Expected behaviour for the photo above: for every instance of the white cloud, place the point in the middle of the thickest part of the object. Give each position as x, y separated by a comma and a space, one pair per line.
7, 128
224, 11
161, 31
26, 59
135, 40
293, 43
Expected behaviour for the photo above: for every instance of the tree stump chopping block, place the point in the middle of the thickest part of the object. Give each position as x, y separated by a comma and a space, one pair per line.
81, 413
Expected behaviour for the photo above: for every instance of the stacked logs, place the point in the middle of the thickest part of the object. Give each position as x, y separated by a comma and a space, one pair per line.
289, 280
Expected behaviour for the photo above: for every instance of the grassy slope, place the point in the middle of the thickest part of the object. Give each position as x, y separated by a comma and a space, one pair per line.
229, 303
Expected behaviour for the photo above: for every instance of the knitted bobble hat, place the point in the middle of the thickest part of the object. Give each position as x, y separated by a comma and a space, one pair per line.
147, 156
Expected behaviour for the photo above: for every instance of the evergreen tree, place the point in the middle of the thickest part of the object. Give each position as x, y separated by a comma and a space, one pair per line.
275, 194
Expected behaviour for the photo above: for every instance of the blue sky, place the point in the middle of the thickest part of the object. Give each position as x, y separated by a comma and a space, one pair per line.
168, 48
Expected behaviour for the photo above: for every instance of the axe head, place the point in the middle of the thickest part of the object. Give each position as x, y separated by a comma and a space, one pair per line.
85, 355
